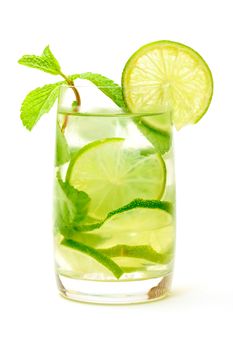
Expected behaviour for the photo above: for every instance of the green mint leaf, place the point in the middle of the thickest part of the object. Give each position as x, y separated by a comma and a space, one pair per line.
140, 251
95, 254
51, 59
37, 103
62, 154
106, 85
46, 62
71, 206
161, 140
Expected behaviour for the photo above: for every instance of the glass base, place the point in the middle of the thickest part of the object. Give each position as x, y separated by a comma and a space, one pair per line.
125, 292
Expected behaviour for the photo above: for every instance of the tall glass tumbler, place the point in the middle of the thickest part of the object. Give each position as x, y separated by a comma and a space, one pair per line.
114, 200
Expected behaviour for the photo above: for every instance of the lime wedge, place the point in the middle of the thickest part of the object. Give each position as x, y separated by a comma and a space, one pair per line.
113, 175
166, 75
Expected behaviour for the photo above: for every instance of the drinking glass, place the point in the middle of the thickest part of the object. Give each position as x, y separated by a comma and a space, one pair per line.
114, 199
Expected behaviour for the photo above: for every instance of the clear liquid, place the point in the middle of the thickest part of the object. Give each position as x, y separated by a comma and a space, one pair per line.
82, 130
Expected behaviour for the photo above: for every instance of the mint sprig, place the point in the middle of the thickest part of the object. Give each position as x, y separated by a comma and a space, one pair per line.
39, 101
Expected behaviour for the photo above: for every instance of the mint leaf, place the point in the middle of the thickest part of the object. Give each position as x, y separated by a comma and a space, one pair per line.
41, 100
95, 254
161, 140
62, 154
46, 62
37, 103
106, 85
71, 206
51, 59
140, 251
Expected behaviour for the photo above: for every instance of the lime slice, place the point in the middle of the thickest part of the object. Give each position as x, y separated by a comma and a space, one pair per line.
134, 236
98, 256
141, 223
113, 175
76, 259
166, 75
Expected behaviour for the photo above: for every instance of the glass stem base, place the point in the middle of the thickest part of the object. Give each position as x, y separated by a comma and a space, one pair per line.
125, 292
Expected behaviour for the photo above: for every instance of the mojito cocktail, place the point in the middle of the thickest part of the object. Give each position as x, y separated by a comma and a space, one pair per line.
114, 186
114, 199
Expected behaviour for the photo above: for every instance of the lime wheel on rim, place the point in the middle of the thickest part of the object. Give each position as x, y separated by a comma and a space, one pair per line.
166, 75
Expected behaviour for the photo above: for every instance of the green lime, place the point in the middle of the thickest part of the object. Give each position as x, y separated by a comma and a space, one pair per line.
75, 263
133, 236
113, 174
140, 223
166, 75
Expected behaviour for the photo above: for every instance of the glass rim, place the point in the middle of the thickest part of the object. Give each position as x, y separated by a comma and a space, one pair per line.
109, 113
93, 86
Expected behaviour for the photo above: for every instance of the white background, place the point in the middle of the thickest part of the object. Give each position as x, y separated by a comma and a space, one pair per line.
99, 36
